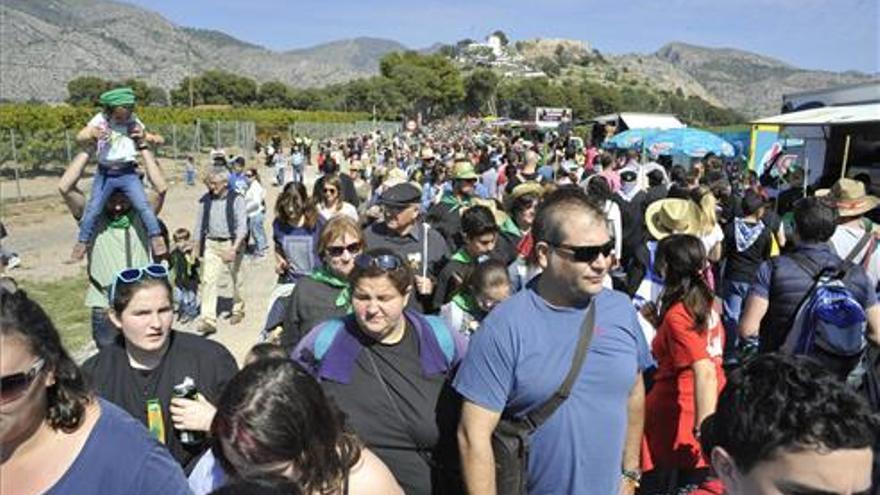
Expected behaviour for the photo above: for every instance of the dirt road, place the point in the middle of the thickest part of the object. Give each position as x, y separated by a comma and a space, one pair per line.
43, 233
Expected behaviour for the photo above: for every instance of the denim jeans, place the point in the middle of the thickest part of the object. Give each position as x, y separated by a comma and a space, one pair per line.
187, 302
733, 294
190, 177
103, 331
258, 232
104, 185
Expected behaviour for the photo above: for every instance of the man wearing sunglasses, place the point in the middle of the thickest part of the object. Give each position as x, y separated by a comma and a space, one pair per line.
221, 234
525, 348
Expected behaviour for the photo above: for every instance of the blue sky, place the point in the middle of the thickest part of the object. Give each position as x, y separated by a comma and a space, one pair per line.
817, 34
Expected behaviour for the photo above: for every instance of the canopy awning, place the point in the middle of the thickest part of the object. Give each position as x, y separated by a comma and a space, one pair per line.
635, 120
843, 115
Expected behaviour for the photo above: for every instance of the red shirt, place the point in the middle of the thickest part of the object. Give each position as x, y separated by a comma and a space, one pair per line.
670, 408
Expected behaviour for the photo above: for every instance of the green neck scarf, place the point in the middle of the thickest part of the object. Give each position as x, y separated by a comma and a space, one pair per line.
466, 302
451, 200
462, 256
121, 222
324, 276
510, 227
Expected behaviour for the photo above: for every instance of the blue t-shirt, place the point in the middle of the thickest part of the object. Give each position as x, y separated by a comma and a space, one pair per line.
120, 457
520, 356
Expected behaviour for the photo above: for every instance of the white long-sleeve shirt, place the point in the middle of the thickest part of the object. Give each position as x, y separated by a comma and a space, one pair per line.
254, 198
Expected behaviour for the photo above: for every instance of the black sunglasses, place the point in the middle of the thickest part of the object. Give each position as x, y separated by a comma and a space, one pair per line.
335, 251
587, 254
384, 262
15, 385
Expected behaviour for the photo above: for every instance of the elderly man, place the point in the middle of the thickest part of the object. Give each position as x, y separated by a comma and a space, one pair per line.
221, 235
526, 347
403, 233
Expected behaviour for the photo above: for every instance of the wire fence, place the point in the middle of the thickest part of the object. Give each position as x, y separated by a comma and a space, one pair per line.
51, 150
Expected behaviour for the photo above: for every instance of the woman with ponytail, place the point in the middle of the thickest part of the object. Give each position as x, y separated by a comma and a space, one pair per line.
688, 349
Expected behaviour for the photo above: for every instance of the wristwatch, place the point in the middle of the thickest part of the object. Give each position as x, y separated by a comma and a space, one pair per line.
633, 477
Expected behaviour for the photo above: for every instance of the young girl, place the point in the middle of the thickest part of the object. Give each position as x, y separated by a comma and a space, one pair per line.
294, 232
486, 286
118, 135
688, 348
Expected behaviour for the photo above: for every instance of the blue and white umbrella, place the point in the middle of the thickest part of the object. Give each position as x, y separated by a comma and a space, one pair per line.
687, 141
629, 139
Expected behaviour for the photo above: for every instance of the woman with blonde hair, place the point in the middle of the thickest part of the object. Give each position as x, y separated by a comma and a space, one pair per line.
331, 202
324, 293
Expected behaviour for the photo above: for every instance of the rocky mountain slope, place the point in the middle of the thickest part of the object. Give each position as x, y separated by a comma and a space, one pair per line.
45, 43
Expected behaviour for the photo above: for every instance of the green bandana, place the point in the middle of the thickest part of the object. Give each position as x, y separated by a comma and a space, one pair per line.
510, 227
466, 302
454, 203
324, 276
121, 222
462, 256
117, 97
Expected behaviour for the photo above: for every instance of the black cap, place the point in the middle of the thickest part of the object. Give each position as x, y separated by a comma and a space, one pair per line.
401, 195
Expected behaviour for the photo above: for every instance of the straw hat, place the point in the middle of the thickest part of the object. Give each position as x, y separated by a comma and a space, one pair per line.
849, 197
426, 153
529, 187
464, 170
673, 216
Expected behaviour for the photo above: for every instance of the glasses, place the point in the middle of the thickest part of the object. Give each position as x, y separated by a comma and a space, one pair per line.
587, 254
15, 385
132, 275
329, 190
336, 251
384, 262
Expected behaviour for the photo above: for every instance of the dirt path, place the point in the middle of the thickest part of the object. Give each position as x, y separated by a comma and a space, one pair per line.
43, 232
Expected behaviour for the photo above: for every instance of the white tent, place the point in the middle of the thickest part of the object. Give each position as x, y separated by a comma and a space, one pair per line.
851, 114
635, 120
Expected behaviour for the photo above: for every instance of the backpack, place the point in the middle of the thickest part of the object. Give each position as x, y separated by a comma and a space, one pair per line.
829, 324
441, 332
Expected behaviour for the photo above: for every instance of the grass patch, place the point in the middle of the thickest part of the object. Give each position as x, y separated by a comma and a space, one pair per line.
63, 300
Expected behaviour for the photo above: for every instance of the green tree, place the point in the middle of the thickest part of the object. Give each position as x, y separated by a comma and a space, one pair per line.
156, 97
429, 84
85, 90
216, 87
274, 94
480, 87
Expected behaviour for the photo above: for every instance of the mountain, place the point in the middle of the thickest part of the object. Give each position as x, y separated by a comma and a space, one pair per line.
46, 43
750, 83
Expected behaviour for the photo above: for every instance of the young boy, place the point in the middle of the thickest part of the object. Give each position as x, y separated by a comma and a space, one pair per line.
118, 135
185, 273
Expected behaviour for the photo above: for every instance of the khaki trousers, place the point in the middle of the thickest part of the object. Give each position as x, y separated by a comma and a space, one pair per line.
213, 268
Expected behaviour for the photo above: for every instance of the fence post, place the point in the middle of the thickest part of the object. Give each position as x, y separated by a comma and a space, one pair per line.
174, 139
216, 134
15, 162
197, 145
67, 145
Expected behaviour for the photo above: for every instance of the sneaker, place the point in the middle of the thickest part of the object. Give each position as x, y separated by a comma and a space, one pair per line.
204, 328
236, 318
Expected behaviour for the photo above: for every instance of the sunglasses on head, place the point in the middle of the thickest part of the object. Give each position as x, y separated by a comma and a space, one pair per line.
384, 262
587, 254
132, 275
335, 251
15, 385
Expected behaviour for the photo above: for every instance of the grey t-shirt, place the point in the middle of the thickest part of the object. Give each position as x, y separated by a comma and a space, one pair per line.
218, 227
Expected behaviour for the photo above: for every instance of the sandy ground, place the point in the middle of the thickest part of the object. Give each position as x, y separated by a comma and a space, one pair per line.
42, 231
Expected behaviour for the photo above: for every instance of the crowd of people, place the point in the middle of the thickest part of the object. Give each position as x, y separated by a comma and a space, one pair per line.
459, 310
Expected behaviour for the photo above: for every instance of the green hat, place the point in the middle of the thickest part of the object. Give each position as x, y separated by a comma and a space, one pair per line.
464, 170
117, 97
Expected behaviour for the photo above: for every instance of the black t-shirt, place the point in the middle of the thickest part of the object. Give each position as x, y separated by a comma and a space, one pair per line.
379, 425
742, 266
208, 363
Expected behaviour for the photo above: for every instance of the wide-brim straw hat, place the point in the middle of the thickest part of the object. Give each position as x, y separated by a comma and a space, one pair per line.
849, 197
673, 216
